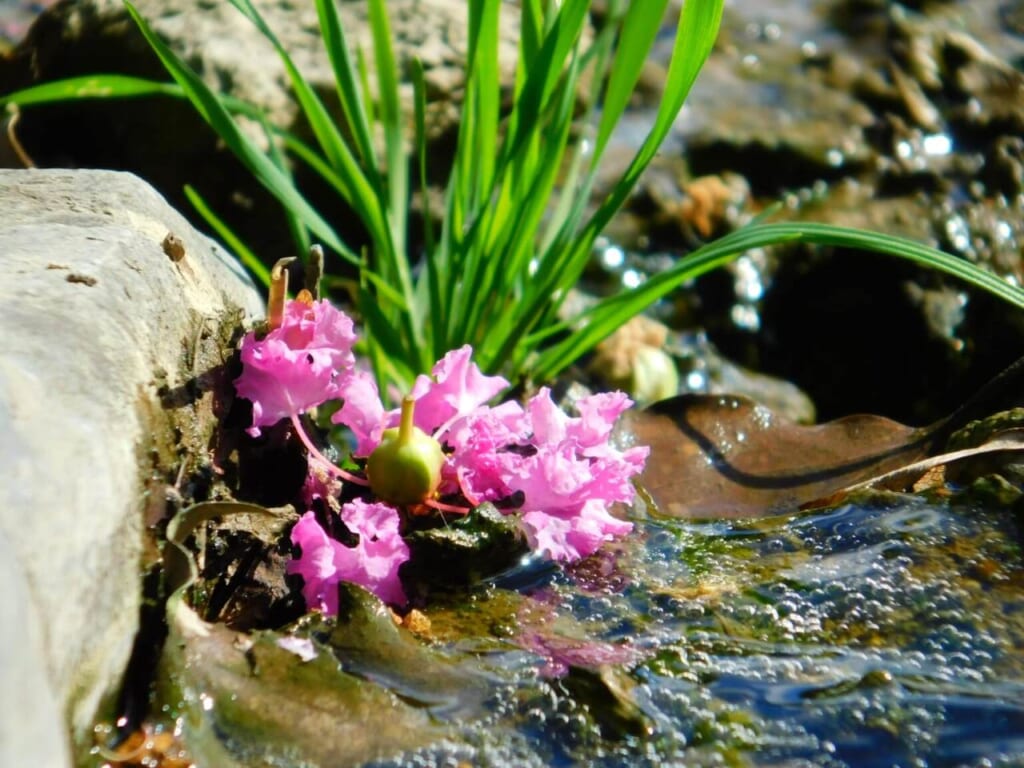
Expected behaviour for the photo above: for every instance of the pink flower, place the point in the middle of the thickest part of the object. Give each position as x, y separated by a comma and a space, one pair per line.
297, 366
573, 476
362, 411
573, 535
562, 471
373, 563
456, 389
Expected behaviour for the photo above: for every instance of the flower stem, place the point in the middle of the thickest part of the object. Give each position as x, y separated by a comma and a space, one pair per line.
330, 465
440, 506
405, 426
278, 292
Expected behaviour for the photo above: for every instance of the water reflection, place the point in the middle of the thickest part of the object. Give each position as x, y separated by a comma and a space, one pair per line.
879, 633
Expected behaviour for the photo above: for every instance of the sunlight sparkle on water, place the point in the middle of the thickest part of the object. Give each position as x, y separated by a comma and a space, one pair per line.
613, 257
937, 144
631, 278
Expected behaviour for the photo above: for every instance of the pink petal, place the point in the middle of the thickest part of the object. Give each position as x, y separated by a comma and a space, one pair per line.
372, 564
598, 414
573, 475
297, 366
315, 565
568, 536
362, 411
375, 561
480, 441
549, 422
457, 388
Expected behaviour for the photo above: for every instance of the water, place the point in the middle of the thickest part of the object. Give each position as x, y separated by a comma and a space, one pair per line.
879, 634
886, 632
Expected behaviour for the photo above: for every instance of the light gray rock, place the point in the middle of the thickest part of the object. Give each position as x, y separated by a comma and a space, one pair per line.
111, 345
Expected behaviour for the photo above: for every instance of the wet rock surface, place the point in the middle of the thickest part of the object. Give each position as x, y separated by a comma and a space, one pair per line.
903, 119
111, 378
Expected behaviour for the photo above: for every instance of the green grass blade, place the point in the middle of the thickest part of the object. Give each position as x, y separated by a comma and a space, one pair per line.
299, 231
319, 165
327, 135
434, 263
598, 322
639, 29
695, 36
542, 75
393, 264
385, 347
90, 87
577, 183
391, 120
346, 79
561, 267
419, 90
531, 29
485, 82
339, 156
228, 236
215, 113
505, 278
386, 294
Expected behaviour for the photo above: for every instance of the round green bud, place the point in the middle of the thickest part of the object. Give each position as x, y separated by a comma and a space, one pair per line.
406, 467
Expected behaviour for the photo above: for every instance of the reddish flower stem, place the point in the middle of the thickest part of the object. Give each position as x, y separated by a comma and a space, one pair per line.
440, 506
313, 451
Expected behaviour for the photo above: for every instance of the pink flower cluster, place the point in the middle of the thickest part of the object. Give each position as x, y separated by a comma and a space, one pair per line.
563, 469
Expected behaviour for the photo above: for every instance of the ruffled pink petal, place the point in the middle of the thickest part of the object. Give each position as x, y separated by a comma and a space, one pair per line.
549, 422
455, 390
315, 565
598, 414
552, 478
362, 411
374, 562
481, 459
571, 535
297, 366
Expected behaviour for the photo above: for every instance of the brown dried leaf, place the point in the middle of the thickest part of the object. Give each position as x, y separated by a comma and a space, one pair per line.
726, 456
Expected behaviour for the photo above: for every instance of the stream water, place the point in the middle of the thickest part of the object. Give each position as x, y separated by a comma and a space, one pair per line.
878, 634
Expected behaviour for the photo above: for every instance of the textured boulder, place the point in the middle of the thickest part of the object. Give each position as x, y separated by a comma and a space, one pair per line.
165, 142
113, 337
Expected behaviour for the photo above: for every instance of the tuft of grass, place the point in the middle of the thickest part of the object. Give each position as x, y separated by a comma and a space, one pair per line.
515, 232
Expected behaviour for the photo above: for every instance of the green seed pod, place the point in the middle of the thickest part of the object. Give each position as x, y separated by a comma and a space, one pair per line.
406, 467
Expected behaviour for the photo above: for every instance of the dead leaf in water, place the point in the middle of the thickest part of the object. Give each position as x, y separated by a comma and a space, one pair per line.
726, 456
